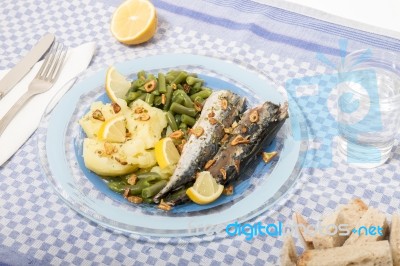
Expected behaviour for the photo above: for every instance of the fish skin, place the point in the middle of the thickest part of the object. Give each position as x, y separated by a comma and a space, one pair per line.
198, 150
264, 131
232, 158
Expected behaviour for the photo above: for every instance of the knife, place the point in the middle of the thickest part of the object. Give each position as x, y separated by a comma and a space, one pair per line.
25, 65
28, 119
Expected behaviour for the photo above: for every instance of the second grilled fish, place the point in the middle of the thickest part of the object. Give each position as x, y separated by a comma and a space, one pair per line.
220, 110
256, 129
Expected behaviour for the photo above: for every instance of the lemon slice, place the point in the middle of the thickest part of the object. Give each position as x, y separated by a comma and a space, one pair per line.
167, 154
116, 84
134, 22
205, 190
113, 130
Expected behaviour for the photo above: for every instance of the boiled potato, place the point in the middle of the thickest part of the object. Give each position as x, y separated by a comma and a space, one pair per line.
145, 123
135, 152
91, 125
103, 162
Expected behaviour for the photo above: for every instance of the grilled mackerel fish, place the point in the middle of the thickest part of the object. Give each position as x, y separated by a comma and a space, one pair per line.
220, 110
255, 130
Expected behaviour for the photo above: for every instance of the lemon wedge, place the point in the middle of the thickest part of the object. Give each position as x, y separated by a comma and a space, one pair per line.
134, 22
205, 190
116, 84
166, 153
113, 130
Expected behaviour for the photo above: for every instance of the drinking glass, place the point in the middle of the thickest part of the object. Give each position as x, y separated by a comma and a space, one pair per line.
368, 106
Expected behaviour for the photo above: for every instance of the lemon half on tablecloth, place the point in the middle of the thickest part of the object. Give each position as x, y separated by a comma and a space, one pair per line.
134, 22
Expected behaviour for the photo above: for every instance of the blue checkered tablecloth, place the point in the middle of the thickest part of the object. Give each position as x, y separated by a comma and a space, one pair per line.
37, 228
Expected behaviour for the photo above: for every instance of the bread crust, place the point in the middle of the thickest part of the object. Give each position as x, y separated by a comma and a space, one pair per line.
348, 214
370, 253
306, 239
371, 218
394, 239
289, 253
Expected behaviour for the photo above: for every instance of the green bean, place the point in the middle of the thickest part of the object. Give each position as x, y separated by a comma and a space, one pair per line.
132, 88
137, 189
168, 98
198, 99
178, 99
133, 96
153, 175
204, 93
177, 196
188, 120
180, 109
171, 121
153, 189
150, 77
169, 78
179, 87
192, 80
141, 75
138, 83
180, 77
194, 89
117, 186
162, 87
143, 183
148, 200
156, 92
173, 73
198, 86
178, 119
142, 88
149, 99
142, 97
157, 100
183, 126
186, 100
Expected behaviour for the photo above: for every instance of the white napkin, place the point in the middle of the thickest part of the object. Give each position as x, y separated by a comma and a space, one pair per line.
28, 119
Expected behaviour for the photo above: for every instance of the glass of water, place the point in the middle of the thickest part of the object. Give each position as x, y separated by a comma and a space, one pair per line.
368, 106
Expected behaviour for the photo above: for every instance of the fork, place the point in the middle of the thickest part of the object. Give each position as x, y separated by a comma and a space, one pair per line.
43, 81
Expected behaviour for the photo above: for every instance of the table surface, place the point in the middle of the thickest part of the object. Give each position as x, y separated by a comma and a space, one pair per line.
384, 14
285, 41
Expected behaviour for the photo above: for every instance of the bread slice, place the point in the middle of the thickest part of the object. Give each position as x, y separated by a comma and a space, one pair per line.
366, 254
348, 214
371, 219
352, 212
305, 237
394, 239
289, 254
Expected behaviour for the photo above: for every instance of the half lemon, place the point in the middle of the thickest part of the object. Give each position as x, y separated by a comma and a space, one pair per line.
134, 22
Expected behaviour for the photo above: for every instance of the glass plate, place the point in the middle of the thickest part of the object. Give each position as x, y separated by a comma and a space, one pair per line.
260, 186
